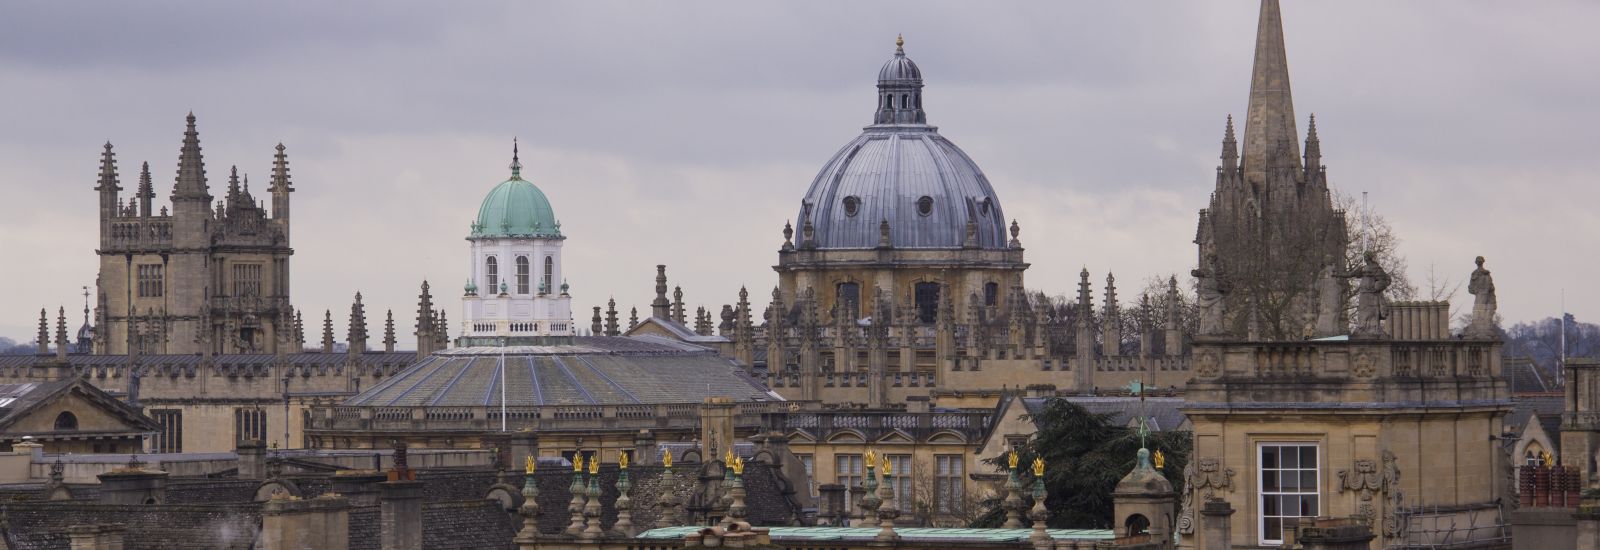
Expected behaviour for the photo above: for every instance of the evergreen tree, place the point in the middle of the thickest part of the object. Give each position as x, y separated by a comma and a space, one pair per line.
1085, 455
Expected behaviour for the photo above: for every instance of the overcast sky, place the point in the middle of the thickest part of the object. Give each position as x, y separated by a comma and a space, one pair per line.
685, 133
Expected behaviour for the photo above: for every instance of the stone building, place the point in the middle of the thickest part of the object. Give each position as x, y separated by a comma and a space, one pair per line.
201, 278
904, 279
70, 416
1391, 425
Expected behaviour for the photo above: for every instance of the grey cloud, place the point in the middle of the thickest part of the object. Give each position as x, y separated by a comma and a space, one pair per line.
686, 132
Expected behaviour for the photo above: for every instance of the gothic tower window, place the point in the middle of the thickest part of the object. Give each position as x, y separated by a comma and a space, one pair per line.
549, 272
848, 296
150, 280
246, 279
927, 295
991, 293
522, 274
491, 269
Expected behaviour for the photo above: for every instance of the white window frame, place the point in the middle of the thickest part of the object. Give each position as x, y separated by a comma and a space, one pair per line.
848, 470
1262, 494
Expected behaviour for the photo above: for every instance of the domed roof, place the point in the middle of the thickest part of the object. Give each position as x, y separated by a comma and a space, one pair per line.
900, 67
516, 208
902, 172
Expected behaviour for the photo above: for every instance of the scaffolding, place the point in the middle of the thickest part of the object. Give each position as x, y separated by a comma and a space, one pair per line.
1450, 528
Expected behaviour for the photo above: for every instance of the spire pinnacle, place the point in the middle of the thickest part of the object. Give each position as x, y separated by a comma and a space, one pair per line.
900, 43
516, 162
108, 171
1269, 132
191, 180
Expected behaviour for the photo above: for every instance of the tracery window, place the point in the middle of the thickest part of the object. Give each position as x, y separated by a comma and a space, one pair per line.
246, 279
150, 280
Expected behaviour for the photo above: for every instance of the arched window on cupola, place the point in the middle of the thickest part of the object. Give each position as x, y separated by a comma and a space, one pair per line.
491, 272
549, 273
522, 274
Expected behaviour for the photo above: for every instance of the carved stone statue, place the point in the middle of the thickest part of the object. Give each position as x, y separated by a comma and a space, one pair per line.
1210, 286
1481, 286
1372, 281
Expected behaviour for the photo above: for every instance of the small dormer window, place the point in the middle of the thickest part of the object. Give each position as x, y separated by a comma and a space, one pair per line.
852, 204
925, 205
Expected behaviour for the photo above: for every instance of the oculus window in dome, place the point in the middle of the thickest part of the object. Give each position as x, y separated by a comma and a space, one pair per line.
902, 174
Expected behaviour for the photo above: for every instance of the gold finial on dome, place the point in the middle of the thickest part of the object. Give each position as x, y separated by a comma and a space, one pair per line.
900, 43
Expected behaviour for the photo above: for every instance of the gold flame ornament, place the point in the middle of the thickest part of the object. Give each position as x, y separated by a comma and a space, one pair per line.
594, 464
728, 457
666, 458
738, 466
1547, 459
872, 458
1012, 460
622, 461
887, 469
531, 464
577, 462
1161, 460
1038, 467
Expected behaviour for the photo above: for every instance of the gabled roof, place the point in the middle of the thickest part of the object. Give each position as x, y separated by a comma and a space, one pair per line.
1546, 410
677, 330
17, 401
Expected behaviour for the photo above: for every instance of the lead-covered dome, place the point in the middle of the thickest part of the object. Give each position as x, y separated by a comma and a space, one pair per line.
515, 208
902, 173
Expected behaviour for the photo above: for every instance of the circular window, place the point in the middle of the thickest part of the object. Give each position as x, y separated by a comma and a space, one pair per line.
852, 204
925, 205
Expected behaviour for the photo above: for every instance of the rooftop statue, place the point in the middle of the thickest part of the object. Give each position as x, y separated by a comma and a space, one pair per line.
1481, 286
1372, 281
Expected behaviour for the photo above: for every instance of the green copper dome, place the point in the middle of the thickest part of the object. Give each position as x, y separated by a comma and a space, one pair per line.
516, 208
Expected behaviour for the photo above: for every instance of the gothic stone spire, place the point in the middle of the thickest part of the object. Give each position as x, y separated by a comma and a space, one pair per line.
191, 180
1269, 130
327, 331
388, 332
660, 307
280, 187
147, 190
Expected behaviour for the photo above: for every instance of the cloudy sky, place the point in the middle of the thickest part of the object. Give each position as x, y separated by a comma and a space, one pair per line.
685, 133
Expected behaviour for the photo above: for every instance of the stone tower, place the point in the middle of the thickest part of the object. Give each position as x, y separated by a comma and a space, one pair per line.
202, 278
1271, 226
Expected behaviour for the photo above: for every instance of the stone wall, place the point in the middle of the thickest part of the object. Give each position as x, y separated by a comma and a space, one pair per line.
43, 525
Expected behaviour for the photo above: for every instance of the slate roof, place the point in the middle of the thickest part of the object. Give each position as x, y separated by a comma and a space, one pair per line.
1548, 409
1163, 411
593, 370
17, 401
1525, 376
